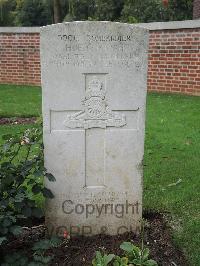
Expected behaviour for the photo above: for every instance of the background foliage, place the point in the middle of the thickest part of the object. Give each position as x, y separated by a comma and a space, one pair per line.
43, 12
21, 181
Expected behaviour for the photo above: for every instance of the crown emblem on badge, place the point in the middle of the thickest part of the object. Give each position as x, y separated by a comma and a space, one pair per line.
95, 89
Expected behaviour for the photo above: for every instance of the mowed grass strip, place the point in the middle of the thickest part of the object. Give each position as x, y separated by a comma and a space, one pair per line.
172, 166
20, 101
171, 161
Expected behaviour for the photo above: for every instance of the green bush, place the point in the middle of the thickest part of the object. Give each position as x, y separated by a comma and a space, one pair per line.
21, 181
137, 256
102, 260
39, 257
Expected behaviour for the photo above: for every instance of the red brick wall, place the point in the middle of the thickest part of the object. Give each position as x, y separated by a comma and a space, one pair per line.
196, 9
174, 60
20, 58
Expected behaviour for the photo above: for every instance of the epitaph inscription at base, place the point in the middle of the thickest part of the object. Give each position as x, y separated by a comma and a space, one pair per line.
94, 94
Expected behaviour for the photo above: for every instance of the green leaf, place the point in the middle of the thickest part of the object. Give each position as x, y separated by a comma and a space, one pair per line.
6, 222
145, 254
23, 261
137, 262
117, 261
98, 256
126, 246
55, 241
150, 263
38, 258
50, 177
31, 181
136, 251
16, 230
4, 203
9, 180
36, 189
46, 259
20, 216
19, 205
3, 230
124, 261
2, 239
19, 197
38, 173
108, 258
47, 193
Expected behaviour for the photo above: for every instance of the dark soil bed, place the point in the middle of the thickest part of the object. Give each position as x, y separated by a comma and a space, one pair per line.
79, 251
17, 120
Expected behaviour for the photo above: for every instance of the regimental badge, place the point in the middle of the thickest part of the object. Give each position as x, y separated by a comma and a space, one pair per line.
96, 111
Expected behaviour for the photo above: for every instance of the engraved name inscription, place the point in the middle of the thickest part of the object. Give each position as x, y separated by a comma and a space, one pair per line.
118, 50
96, 38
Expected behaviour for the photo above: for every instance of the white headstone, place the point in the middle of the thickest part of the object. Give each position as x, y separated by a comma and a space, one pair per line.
94, 80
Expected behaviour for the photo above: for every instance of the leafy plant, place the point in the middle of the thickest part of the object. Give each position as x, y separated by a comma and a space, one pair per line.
40, 248
102, 260
134, 256
137, 256
39, 258
21, 181
120, 261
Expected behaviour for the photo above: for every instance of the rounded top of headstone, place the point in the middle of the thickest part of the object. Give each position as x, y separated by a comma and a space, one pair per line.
94, 23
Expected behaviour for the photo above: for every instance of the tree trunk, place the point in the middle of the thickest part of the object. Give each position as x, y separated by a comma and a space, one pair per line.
57, 11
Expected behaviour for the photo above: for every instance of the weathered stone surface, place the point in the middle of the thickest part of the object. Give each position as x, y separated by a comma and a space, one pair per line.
94, 92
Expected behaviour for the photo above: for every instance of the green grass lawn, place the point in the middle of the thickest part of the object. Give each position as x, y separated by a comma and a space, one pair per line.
24, 101
172, 159
172, 155
12, 129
